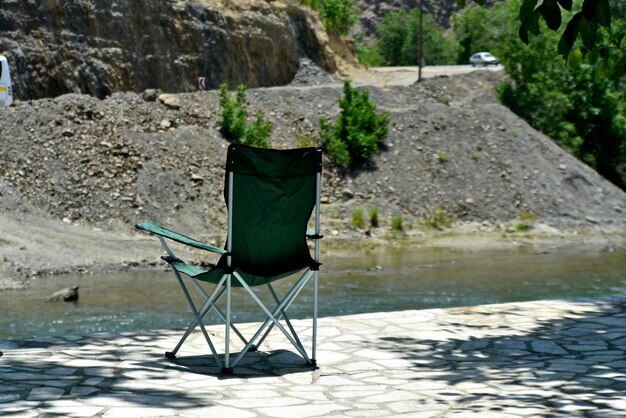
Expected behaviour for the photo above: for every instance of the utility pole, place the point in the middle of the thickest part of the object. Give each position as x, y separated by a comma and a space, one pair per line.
420, 42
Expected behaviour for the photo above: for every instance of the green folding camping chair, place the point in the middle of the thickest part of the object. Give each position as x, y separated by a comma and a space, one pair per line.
270, 196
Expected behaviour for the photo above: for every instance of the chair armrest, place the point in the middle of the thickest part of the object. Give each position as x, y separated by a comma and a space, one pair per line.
174, 236
313, 235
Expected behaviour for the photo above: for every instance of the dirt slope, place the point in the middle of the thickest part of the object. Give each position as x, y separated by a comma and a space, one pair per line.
79, 170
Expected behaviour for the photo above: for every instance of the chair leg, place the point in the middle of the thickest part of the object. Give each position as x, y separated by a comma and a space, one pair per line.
272, 316
227, 369
198, 316
282, 314
287, 301
314, 331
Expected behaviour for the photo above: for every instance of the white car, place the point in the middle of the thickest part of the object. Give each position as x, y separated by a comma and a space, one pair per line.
6, 91
484, 59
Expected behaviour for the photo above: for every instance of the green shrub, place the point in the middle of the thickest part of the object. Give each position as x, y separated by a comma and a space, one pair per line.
442, 156
476, 155
527, 220
397, 223
234, 116
369, 55
258, 133
338, 16
356, 135
357, 218
374, 217
234, 113
305, 141
438, 220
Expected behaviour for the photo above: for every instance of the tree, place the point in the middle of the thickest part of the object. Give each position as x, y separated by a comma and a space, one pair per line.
582, 112
604, 49
398, 35
338, 16
476, 30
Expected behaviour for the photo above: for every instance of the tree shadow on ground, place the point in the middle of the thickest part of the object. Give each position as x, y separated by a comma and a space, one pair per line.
574, 365
129, 371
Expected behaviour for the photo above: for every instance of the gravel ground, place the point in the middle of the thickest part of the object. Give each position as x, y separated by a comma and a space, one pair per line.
78, 172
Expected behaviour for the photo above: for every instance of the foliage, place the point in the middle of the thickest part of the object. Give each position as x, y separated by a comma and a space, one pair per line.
582, 112
398, 40
357, 218
590, 33
305, 141
527, 220
357, 133
258, 133
338, 16
475, 29
374, 217
438, 220
369, 55
234, 125
443, 156
397, 223
234, 113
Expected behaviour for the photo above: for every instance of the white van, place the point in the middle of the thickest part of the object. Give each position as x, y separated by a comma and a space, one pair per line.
6, 91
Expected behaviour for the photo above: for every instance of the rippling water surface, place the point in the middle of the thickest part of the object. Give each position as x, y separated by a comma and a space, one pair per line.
382, 280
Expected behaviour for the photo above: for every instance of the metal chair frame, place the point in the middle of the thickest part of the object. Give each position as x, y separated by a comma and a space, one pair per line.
223, 288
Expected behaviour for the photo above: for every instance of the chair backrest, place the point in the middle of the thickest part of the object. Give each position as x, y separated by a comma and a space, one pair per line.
273, 195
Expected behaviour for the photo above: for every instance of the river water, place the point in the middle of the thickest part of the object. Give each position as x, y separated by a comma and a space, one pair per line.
382, 280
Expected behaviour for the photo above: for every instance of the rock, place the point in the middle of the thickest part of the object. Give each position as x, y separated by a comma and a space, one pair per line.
151, 95
171, 101
66, 295
255, 43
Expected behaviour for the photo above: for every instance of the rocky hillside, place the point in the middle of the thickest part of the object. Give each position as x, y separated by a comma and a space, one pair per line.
77, 172
132, 157
100, 46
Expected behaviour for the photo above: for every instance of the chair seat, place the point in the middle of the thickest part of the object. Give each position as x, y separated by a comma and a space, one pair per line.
215, 274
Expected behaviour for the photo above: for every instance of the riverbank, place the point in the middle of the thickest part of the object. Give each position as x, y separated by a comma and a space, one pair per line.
543, 358
39, 246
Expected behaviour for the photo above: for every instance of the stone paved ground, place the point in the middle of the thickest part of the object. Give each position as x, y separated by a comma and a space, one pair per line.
545, 358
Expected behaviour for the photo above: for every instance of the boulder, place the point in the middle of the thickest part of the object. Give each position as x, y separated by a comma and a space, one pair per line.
66, 295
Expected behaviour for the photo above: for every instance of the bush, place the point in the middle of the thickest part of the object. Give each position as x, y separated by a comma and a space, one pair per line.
374, 217
397, 223
356, 135
369, 55
234, 113
443, 156
357, 218
234, 116
338, 16
438, 220
527, 220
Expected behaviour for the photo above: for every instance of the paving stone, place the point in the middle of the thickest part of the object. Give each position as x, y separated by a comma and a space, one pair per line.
83, 390
502, 360
131, 412
9, 397
45, 393
308, 410
547, 347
